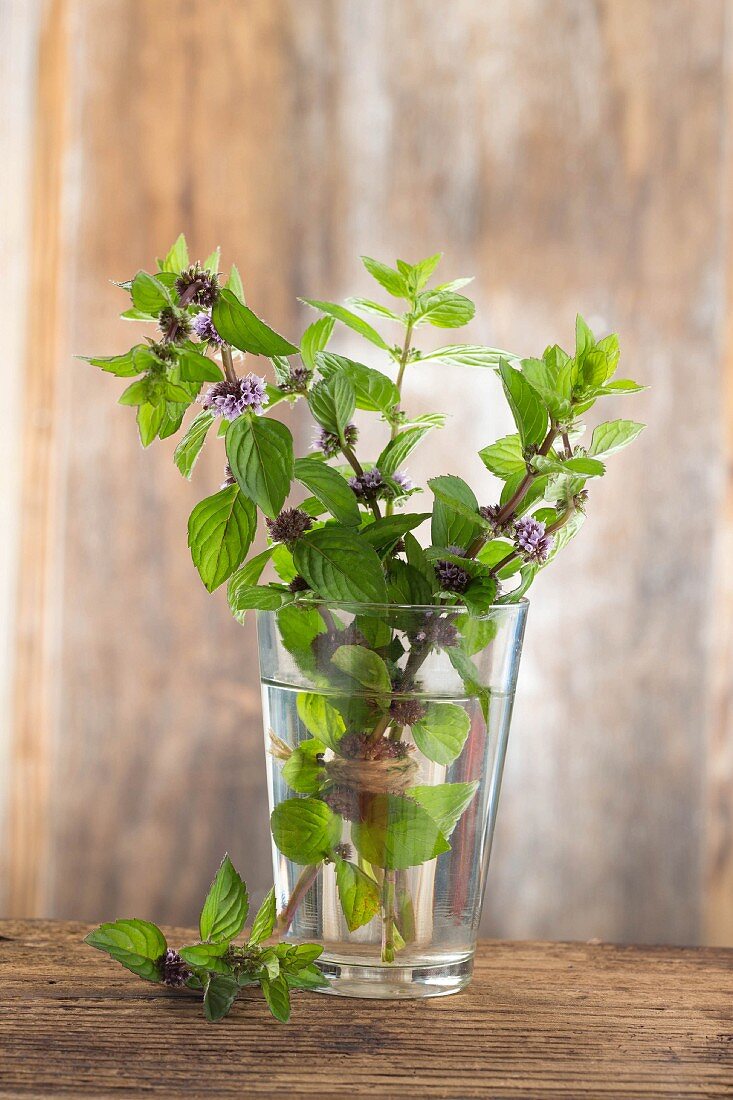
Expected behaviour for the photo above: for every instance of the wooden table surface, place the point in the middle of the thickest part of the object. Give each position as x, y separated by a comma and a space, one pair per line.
540, 1019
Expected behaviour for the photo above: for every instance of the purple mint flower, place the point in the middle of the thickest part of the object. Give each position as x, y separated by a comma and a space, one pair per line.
329, 442
297, 381
491, 512
289, 526
403, 480
530, 538
229, 478
452, 577
173, 970
196, 284
231, 399
367, 484
436, 631
203, 326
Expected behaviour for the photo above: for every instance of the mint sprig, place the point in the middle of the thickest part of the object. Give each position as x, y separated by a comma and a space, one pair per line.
217, 966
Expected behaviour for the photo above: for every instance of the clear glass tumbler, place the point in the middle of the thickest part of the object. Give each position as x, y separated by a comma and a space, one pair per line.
386, 730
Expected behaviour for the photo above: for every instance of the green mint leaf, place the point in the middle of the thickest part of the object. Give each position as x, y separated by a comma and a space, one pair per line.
332, 403
137, 944
373, 391
446, 803
358, 894
207, 956
594, 368
418, 560
220, 532
256, 597
398, 449
189, 448
408, 585
364, 666
392, 281
234, 284
505, 457
138, 315
123, 366
384, 532
302, 770
477, 633
250, 572
264, 922
397, 833
310, 977
195, 367
619, 385
352, 320
302, 955
443, 308
535, 492
468, 672
260, 453
305, 829
458, 496
277, 997
613, 436
226, 906
584, 339
366, 305
340, 566
212, 262
466, 355
177, 257
147, 390
172, 419
442, 733
480, 594
609, 345
149, 295
150, 419
315, 339
319, 717
584, 467
422, 271
220, 993
271, 963
330, 488
239, 326
282, 559
455, 284
530, 415
452, 528
552, 384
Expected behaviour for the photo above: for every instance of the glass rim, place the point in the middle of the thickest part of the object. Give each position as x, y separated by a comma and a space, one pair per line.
364, 608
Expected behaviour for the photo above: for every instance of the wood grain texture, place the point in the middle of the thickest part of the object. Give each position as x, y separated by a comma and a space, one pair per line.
539, 1020
35, 667
567, 153
718, 798
19, 23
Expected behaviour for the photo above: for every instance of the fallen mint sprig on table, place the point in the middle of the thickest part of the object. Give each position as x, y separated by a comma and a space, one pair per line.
216, 966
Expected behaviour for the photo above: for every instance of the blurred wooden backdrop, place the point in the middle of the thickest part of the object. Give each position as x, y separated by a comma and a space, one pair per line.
571, 154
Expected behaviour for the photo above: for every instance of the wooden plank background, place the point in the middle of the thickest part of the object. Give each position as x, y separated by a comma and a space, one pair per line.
572, 155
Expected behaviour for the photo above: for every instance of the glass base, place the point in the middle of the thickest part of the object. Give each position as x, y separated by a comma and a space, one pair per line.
395, 982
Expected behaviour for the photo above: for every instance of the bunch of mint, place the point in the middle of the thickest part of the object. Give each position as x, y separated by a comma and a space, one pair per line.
216, 965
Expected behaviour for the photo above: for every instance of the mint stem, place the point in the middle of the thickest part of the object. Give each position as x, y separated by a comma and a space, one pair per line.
307, 877
388, 917
228, 363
